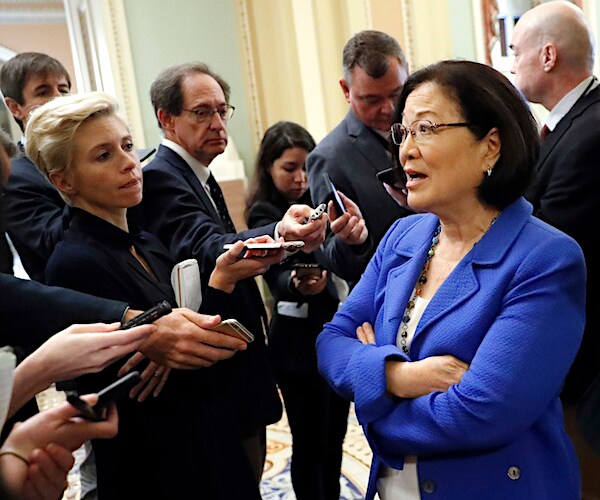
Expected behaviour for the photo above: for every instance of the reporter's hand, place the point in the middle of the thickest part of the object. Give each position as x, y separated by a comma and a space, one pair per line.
400, 195
230, 268
47, 474
82, 349
72, 352
292, 227
418, 378
350, 227
311, 285
62, 427
154, 377
184, 340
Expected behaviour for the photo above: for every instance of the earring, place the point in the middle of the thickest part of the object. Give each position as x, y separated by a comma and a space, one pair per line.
489, 172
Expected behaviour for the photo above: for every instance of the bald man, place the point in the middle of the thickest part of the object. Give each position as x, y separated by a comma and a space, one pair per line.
554, 58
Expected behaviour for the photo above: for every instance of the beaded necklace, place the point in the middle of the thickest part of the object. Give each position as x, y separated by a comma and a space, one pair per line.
421, 281
417, 293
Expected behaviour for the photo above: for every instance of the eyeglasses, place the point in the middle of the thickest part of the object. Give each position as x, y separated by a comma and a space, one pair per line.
420, 130
204, 114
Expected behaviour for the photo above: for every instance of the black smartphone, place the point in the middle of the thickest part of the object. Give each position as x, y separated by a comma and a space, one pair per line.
109, 394
307, 270
333, 195
394, 177
149, 316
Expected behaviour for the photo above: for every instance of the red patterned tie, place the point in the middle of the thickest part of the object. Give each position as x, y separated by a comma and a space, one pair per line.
545, 131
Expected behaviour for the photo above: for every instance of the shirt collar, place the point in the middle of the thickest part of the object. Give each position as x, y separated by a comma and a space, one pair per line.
83, 220
202, 171
568, 101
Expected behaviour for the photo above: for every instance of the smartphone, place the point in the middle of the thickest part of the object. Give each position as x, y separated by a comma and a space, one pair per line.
234, 328
288, 245
307, 270
148, 316
109, 394
395, 177
333, 195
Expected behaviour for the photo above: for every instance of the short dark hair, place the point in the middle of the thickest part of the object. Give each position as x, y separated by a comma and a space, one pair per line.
166, 92
278, 138
15, 72
487, 99
369, 50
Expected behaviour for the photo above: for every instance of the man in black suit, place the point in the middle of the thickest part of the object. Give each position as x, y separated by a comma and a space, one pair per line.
33, 209
352, 153
184, 207
554, 58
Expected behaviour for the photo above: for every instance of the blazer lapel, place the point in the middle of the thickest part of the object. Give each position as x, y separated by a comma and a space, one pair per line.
548, 144
461, 284
366, 143
191, 178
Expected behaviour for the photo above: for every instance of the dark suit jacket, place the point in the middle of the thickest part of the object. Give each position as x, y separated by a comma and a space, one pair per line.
33, 214
186, 436
352, 155
564, 193
292, 340
176, 208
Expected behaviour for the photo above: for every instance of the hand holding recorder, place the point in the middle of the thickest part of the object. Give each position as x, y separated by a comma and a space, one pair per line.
292, 227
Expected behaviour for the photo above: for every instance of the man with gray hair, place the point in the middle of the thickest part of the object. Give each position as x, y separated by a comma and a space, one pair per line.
554, 57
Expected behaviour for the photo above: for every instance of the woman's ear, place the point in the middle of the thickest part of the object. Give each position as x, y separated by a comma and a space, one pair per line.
63, 182
493, 144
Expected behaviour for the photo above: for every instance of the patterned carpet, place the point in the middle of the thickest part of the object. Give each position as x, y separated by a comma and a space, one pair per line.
276, 483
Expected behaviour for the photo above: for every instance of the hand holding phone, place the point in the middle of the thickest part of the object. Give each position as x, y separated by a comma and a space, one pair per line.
334, 196
109, 394
234, 328
394, 177
276, 245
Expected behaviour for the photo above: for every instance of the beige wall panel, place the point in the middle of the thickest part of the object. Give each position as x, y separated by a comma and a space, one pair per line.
274, 53
386, 16
431, 32
336, 21
34, 38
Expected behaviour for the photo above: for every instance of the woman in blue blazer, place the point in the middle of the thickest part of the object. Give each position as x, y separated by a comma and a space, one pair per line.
455, 343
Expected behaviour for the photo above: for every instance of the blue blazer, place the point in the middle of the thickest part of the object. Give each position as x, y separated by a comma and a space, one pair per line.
514, 309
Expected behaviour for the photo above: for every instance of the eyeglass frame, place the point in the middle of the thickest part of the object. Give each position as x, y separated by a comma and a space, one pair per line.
230, 110
434, 127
